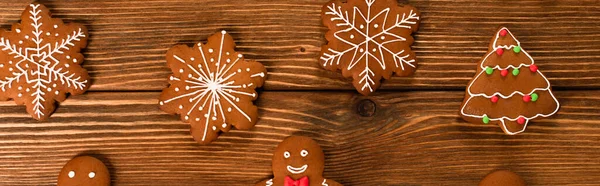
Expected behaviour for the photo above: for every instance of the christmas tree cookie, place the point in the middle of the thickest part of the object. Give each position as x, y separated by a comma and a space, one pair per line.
40, 61
369, 40
508, 90
212, 87
298, 161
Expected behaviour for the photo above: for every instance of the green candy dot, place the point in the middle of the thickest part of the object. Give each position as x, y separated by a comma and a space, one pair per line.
534, 97
516, 72
517, 49
486, 119
489, 70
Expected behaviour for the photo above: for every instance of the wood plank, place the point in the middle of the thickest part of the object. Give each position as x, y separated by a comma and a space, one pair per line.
130, 38
412, 138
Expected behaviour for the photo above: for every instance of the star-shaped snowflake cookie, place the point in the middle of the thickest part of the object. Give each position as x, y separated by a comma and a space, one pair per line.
368, 40
212, 87
40, 61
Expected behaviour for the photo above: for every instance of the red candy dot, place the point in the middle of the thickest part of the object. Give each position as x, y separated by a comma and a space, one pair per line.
504, 72
494, 99
527, 98
521, 120
500, 51
533, 68
503, 32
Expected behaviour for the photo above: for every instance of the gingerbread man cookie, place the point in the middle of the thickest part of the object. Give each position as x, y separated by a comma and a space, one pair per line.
212, 87
298, 161
502, 178
40, 61
508, 89
369, 40
84, 171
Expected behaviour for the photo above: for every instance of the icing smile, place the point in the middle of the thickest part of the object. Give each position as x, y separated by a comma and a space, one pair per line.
298, 170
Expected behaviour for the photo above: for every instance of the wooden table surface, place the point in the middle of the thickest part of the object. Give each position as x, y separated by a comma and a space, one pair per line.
408, 133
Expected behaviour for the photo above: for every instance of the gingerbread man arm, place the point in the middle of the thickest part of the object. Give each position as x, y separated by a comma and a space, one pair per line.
327, 182
268, 182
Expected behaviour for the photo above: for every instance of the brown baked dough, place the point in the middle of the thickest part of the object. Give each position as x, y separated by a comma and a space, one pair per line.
502, 178
84, 171
508, 88
212, 87
40, 61
369, 40
298, 161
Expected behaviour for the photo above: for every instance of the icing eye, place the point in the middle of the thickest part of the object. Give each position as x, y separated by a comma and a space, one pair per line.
304, 153
71, 174
286, 154
92, 174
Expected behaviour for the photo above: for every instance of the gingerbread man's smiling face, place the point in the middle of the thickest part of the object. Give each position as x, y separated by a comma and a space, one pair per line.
298, 157
84, 171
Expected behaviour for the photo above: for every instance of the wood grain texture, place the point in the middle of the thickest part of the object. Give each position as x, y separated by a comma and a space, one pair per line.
391, 138
413, 138
130, 38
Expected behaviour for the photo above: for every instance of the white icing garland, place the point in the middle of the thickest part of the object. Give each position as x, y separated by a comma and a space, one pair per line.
367, 75
497, 67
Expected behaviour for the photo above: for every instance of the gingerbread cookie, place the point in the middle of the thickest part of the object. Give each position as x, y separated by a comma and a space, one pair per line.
508, 89
40, 61
298, 161
212, 87
368, 40
84, 170
502, 178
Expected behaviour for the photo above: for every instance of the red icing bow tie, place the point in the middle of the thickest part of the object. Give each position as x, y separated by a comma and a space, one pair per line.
301, 182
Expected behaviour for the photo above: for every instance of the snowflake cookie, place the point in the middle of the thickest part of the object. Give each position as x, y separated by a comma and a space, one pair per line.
508, 89
212, 87
298, 161
40, 61
368, 40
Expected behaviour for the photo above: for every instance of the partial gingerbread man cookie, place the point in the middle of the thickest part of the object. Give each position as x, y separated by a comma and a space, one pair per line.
502, 178
508, 89
40, 61
212, 87
298, 161
84, 170
368, 40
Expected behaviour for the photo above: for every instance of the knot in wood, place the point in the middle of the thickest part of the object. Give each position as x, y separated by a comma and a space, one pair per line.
366, 108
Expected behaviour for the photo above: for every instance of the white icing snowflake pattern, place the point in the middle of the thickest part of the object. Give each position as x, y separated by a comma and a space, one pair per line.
365, 41
40, 61
212, 87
